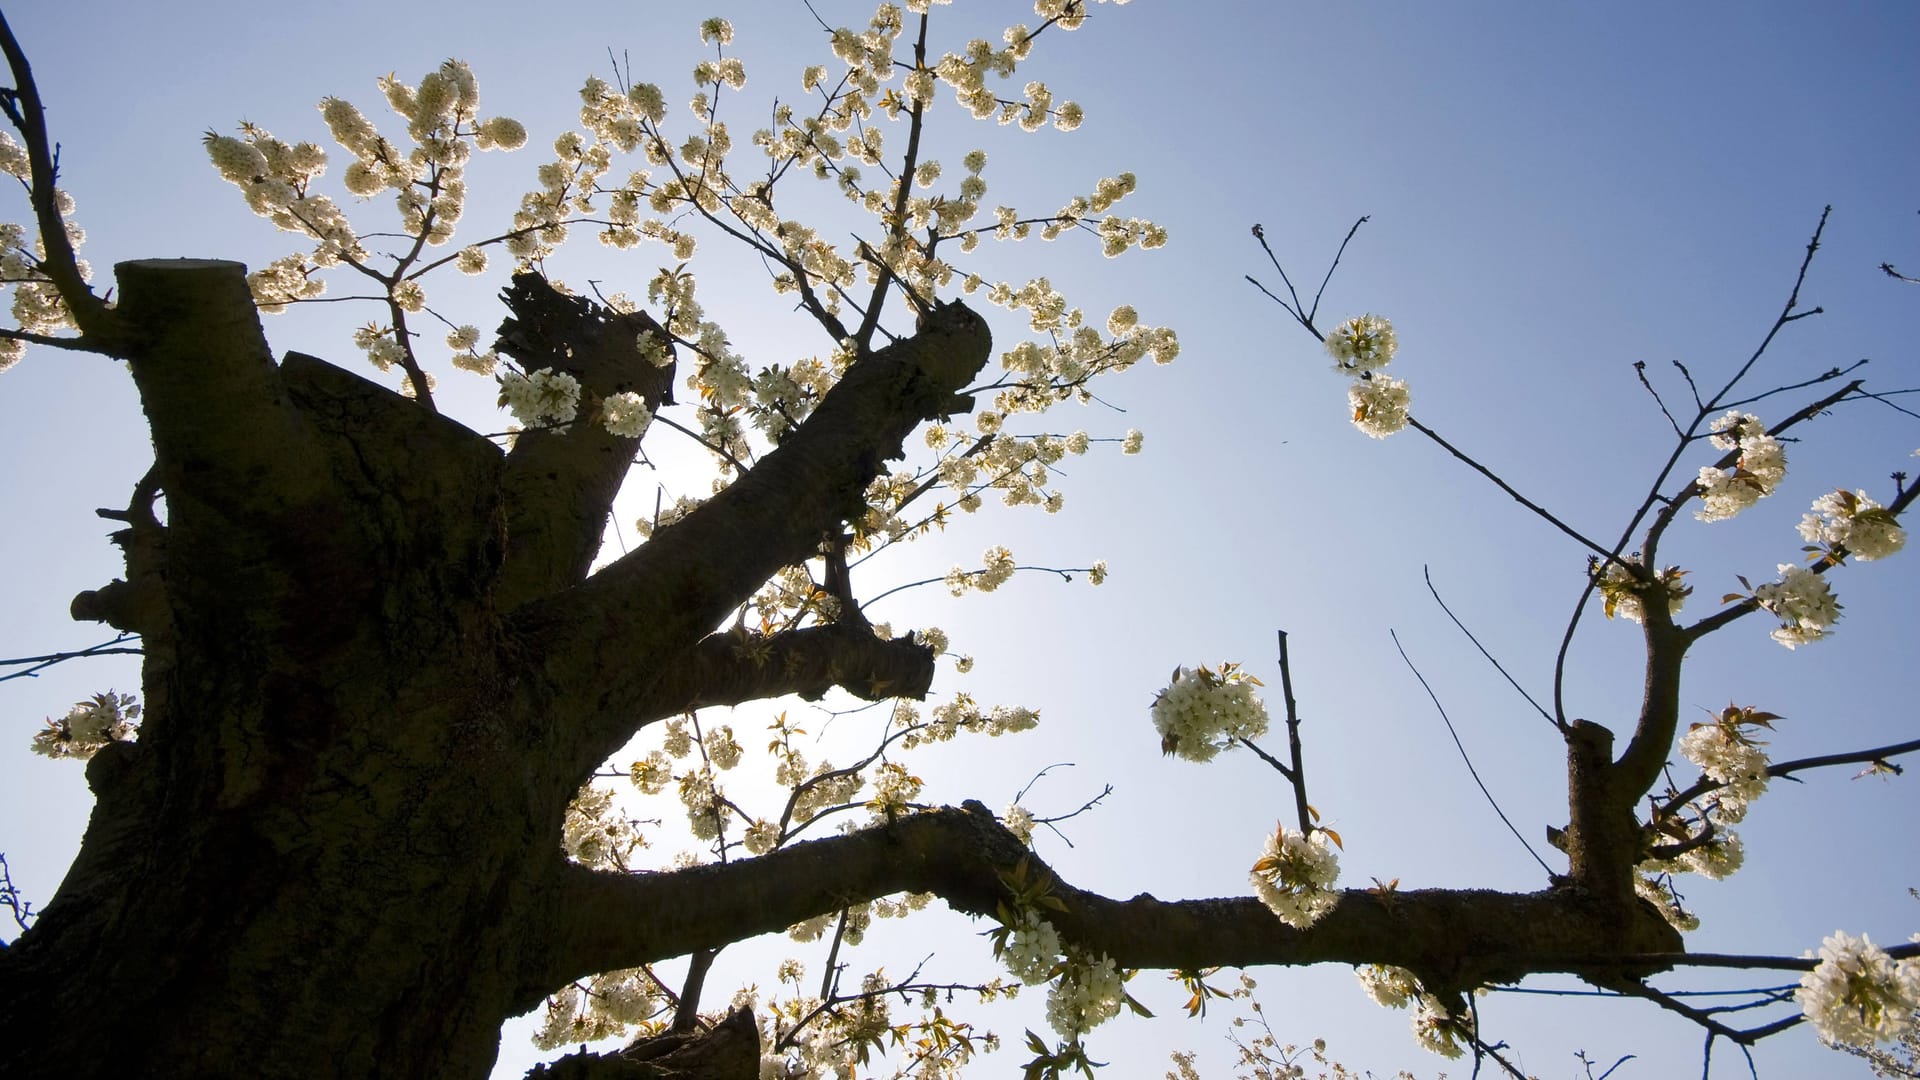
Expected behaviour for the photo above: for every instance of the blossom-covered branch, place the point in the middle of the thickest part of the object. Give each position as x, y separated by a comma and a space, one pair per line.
61, 264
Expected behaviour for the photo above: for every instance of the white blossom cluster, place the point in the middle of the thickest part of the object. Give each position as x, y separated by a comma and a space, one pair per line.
543, 398
1362, 343
606, 1006
428, 181
1858, 995
1087, 994
1803, 602
996, 568
964, 714
1731, 758
666, 515
625, 414
1623, 587
37, 305
1761, 466
596, 834
1294, 876
1019, 821
1202, 712
1392, 987
1851, 520
722, 749
894, 790
1434, 1027
1361, 347
804, 1038
89, 726
1437, 1030
1032, 948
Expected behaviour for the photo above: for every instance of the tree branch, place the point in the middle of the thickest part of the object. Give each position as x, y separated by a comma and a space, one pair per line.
560, 486
736, 667
228, 450
1451, 938
1788, 768
22, 106
608, 640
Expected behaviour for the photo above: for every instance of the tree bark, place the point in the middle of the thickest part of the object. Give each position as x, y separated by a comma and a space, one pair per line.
329, 851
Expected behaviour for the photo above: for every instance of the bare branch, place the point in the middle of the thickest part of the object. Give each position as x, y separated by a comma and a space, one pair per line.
1539, 510
1427, 574
1475, 773
33, 665
1334, 265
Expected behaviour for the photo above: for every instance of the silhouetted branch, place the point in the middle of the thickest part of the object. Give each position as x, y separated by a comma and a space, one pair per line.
1427, 574
1475, 773
36, 664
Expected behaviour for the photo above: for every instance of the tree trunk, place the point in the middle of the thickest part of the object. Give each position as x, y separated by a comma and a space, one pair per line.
319, 858
334, 848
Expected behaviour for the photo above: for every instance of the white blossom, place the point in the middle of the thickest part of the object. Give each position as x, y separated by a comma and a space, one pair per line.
1393, 987
1362, 343
1761, 466
542, 397
1852, 520
1294, 876
625, 414
1085, 996
1803, 602
89, 726
1202, 712
1730, 759
1379, 405
1622, 590
1858, 995
1437, 1031
1032, 949
1019, 821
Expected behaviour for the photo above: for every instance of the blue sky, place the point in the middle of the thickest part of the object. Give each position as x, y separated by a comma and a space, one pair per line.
1556, 192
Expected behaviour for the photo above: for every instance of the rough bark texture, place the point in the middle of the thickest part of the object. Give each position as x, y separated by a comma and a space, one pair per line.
377, 669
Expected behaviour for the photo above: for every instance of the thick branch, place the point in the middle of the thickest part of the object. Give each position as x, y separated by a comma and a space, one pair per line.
1646, 754
1451, 938
736, 667
222, 432
560, 487
609, 639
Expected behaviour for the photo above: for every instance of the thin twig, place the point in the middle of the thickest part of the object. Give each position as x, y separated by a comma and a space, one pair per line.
1331, 267
1427, 573
1508, 488
37, 664
1640, 369
22, 910
1463, 755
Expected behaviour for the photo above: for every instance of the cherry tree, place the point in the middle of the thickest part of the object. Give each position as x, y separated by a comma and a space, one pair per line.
378, 777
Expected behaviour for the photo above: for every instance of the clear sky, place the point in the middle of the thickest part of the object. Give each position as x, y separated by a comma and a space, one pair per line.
1556, 192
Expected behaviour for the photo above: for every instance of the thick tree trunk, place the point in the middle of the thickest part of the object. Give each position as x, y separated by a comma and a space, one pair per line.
318, 858
334, 848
